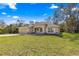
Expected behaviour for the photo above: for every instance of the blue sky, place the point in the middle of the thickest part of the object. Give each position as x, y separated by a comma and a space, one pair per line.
10, 12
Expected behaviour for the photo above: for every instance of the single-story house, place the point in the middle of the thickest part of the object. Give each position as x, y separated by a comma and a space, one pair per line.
40, 28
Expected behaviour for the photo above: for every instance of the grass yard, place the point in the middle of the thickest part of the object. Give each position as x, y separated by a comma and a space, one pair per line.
41, 45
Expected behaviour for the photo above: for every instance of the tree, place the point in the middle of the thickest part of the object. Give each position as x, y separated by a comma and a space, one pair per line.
71, 13
12, 28
67, 16
70, 16
2, 26
20, 23
71, 24
49, 20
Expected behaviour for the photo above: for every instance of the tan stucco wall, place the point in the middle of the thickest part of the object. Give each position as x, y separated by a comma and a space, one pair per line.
24, 30
55, 28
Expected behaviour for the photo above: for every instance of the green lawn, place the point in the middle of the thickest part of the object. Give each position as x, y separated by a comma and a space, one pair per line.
40, 45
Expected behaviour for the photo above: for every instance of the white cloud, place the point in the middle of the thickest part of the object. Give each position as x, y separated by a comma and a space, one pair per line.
33, 3
68, 16
44, 14
3, 13
62, 9
15, 17
73, 9
53, 6
12, 5
8, 16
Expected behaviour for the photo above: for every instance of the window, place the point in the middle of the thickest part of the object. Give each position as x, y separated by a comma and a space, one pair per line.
37, 29
40, 29
50, 30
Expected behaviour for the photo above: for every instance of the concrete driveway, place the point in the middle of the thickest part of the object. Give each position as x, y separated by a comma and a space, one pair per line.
8, 34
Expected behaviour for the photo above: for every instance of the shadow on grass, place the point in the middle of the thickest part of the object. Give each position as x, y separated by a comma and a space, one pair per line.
74, 38
60, 35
